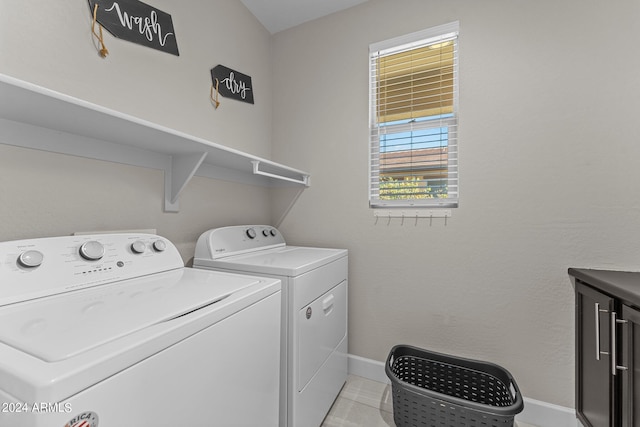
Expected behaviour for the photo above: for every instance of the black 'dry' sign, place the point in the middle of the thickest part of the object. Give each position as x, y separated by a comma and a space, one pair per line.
232, 84
137, 22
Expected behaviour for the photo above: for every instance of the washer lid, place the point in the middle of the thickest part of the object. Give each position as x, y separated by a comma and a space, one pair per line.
288, 261
60, 327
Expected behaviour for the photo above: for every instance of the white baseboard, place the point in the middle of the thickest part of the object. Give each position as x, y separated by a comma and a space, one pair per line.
536, 412
543, 414
367, 368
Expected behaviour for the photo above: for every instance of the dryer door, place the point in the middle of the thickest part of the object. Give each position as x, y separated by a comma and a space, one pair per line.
321, 327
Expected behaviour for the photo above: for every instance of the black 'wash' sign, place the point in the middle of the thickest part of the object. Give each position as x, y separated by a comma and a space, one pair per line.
137, 22
232, 84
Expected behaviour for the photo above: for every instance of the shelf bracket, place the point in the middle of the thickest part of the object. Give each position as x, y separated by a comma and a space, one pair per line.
256, 171
176, 177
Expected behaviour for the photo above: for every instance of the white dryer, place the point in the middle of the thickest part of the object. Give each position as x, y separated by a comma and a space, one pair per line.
112, 331
314, 311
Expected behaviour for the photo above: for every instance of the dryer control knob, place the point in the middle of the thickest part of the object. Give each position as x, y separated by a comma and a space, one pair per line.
92, 250
273, 232
251, 233
265, 233
159, 245
138, 247
30, 259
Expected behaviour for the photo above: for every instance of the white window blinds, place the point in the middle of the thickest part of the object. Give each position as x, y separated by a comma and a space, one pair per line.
413, 119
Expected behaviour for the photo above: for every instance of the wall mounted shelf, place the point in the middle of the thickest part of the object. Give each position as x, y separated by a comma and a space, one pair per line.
35, 117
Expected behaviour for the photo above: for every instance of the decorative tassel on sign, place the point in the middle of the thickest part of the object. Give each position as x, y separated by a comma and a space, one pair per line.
215, 101
103, 51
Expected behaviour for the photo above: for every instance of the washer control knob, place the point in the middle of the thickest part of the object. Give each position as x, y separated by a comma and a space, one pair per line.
251, 233
273, 232
92, 250
159, 245
138, 247
265, 233
30, 259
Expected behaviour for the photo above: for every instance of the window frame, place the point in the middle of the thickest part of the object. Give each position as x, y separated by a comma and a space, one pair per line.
408, 42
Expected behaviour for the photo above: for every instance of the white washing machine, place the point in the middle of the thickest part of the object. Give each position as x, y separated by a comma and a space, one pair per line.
314, 311
113, 331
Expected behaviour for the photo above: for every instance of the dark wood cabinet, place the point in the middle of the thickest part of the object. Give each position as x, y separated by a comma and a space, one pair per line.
607, 347
595, 386
631, 359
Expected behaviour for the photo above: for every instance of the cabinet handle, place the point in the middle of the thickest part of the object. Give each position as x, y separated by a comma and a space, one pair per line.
598, 311
614, 358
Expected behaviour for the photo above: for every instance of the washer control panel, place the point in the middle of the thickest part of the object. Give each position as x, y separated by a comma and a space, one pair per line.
35, 268
227, 241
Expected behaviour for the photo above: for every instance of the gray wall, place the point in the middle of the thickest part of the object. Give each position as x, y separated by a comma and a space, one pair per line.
549, 176
50, 44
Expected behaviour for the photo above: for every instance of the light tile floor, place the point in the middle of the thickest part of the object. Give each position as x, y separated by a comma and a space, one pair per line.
365, 403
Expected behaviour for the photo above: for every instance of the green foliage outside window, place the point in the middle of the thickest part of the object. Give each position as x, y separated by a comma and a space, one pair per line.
409, 188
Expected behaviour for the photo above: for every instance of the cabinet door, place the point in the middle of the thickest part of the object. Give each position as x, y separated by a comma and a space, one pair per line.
595, 386
630, 337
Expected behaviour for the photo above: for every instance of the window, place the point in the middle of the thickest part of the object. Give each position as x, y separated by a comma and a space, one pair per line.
413, 96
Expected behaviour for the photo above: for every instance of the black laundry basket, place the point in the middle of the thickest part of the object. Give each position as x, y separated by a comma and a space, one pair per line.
437, 390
